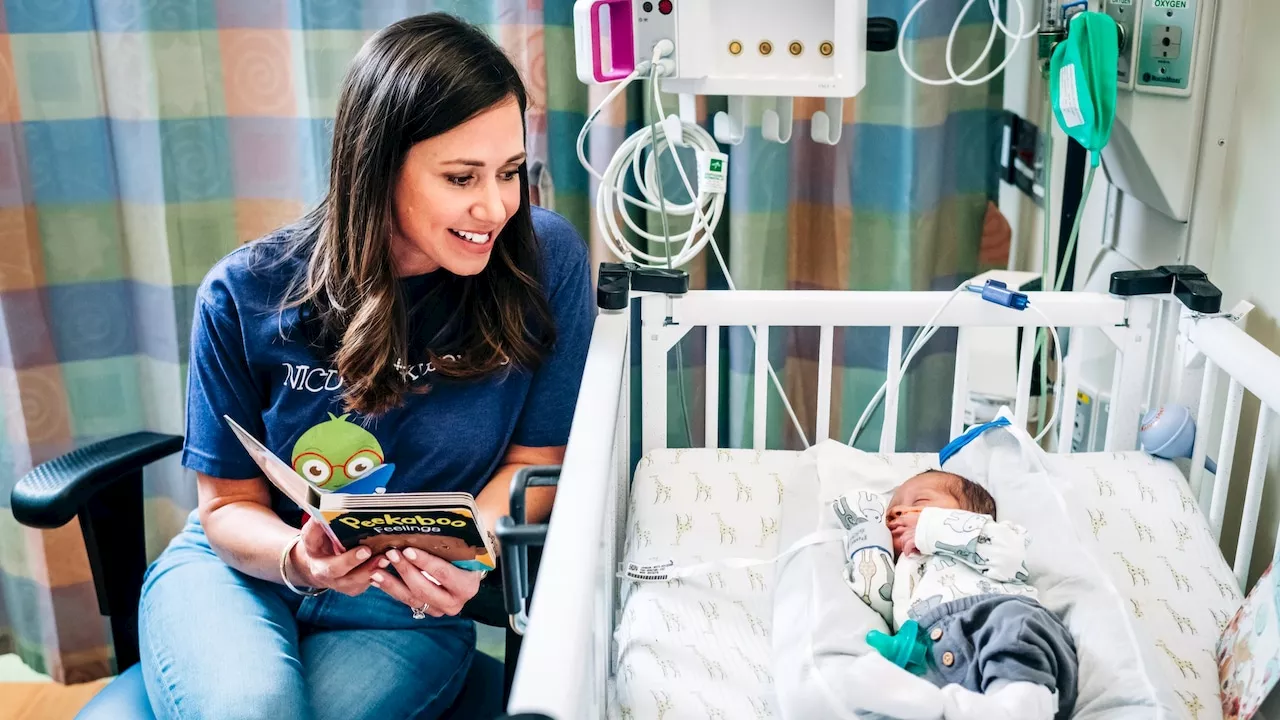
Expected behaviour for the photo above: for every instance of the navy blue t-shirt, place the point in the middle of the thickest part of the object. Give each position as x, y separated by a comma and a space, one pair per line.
249, 362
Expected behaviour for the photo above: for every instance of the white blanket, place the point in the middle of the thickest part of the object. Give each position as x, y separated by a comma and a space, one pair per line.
820, 625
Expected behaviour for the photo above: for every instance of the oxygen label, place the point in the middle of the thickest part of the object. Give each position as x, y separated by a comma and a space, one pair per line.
1069, 97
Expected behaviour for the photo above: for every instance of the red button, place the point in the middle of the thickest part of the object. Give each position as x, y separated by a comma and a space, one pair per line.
664, 7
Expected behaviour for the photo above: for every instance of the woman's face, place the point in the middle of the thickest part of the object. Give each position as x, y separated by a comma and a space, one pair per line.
456, 192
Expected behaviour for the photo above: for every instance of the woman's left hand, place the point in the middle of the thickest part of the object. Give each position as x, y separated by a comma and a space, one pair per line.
452, 587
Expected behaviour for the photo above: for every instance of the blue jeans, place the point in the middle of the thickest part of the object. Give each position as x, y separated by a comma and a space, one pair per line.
217, 643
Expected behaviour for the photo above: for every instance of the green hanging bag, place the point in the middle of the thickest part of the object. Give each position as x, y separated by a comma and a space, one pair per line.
1082, 80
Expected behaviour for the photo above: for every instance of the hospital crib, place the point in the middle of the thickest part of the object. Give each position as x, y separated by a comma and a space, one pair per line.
1156, 320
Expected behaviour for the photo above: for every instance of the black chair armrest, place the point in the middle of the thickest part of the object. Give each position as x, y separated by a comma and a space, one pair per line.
101, 484
518, 536
54, 492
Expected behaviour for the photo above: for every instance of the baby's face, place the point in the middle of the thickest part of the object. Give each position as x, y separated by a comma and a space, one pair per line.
931, 489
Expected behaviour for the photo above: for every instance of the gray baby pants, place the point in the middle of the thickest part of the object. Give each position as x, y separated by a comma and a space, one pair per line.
980, 639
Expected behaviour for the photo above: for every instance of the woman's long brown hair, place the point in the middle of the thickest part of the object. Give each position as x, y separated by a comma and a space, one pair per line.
414, 80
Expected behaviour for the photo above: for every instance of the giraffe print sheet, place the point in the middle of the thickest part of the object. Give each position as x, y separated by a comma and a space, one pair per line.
699, 647
1156, 544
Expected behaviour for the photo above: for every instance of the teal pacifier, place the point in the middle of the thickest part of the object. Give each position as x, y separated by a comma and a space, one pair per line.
909, 649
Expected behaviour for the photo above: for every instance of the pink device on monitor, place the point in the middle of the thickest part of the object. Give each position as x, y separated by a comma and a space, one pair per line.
621, 40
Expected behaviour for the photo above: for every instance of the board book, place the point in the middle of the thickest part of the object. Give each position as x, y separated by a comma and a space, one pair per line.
444, 524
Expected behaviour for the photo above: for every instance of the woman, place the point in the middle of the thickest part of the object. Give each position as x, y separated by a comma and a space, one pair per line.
423, 313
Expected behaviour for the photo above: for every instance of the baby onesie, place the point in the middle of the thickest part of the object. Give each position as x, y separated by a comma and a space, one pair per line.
967, 589
962, 554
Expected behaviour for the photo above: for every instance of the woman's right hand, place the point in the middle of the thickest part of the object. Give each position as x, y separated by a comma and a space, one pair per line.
316, 563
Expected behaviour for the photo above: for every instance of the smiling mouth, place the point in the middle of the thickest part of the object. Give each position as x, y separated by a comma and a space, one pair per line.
471, 237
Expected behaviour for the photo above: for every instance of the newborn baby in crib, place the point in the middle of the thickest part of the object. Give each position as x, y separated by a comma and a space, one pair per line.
961, 575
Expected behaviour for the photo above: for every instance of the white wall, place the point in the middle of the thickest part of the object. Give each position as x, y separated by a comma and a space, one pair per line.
1246, 263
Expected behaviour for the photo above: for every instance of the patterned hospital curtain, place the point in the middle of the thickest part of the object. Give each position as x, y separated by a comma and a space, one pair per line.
141, 140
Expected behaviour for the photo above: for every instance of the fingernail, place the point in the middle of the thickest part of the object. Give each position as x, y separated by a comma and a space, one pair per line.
411, 553
395, 556
377, 577
363, 554
383, 563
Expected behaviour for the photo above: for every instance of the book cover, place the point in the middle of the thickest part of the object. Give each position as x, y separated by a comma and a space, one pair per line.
1249, 653
445, 524
451, 532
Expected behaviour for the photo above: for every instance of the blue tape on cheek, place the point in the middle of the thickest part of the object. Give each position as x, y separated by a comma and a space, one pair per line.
956, 445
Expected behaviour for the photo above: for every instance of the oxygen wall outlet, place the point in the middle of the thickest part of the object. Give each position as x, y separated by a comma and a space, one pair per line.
1166, 46
1126, 15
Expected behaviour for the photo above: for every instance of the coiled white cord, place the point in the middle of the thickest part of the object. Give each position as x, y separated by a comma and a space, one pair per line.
996, 27
705, 208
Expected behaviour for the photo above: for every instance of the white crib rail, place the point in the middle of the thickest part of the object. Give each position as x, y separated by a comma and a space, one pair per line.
666, 322
564, 661
1251, 367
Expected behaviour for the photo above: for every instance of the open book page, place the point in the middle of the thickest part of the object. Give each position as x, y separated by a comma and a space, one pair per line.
283, 476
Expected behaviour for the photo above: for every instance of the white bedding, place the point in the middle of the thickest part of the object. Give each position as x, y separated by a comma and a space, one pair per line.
700, 647
1162, 557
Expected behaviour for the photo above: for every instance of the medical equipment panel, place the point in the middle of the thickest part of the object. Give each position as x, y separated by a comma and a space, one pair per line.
1166, 46
799, 48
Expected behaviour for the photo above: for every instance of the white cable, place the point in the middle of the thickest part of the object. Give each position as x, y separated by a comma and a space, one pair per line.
922, 338
715, 249
997, 26
705, 209
1057, 381
926, 334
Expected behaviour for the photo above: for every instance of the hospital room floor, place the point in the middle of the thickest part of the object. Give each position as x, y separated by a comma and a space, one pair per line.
28, 695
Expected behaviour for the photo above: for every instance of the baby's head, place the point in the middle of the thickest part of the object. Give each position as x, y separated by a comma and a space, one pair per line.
935, 488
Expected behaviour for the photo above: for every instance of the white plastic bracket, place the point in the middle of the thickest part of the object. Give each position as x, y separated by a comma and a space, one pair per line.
688, 108
673, 129
731, 127
828, 124
775, 125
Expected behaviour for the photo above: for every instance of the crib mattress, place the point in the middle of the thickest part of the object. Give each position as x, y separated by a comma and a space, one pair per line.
1157, 546
699, 647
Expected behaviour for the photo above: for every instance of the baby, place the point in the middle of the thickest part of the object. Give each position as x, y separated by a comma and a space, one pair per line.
962, 576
